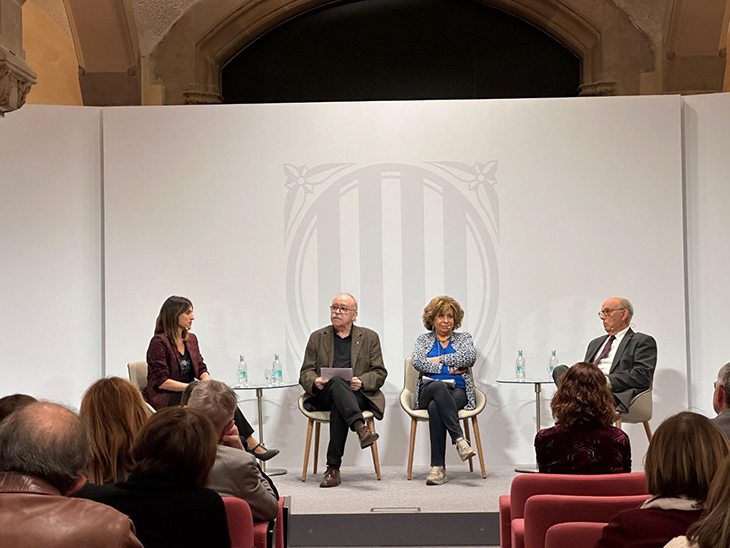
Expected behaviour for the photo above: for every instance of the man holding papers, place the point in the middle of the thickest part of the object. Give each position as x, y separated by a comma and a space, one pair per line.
342, 373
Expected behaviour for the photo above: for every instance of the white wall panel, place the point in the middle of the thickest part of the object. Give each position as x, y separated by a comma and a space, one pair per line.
707, 167
50, 249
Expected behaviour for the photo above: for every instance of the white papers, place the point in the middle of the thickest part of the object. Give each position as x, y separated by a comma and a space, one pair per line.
329, 372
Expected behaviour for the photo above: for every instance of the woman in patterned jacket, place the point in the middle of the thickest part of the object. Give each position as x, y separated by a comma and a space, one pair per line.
444, 359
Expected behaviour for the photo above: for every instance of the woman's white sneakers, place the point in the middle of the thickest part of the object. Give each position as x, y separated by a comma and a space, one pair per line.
436, 476
464, 449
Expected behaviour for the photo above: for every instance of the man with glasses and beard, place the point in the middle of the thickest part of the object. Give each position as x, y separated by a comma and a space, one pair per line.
344, 345
627, 358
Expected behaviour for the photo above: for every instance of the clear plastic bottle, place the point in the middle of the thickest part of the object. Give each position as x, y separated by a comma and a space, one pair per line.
242, 372
552, 363
520, 366
276, 377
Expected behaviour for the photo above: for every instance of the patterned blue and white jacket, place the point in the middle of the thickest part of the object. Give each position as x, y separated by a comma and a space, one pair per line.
464, 357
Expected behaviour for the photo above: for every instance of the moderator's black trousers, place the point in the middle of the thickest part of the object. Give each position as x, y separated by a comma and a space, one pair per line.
244, 428
345, 407
443, 404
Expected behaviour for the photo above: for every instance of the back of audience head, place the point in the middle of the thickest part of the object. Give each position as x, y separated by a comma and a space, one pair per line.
188, 392
11, 403
176, 444
684, 454
45, 441
713, 530
584, 398
114, 413
217, 401
721, 396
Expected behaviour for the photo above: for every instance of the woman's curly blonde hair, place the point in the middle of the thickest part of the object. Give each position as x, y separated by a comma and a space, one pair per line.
441, 305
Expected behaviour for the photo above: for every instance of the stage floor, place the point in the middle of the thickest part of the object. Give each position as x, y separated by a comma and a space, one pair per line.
360, 492
363, 511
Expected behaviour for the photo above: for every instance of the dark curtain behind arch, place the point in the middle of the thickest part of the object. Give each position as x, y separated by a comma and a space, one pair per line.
399, 50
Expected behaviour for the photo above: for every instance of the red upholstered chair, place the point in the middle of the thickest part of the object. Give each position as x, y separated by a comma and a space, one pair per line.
512, 506
263, 534
576, 534
544, 511
270, 534
240, 522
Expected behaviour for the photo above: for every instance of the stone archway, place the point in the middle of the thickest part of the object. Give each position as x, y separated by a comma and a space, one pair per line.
187, 63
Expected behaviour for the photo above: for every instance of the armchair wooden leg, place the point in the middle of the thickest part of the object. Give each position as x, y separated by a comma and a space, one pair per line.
478, 441
307, 443
468, 438
412, 446
374, 450
647, 429
316, 444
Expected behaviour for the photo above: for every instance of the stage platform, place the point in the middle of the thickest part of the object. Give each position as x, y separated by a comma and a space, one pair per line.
394, 511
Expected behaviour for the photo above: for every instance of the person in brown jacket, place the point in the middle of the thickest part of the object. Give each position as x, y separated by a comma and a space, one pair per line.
344, 345
43, 453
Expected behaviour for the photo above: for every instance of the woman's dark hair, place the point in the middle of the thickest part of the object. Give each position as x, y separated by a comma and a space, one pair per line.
584, 397
441, 305
177, 443
713, 529
167, 319
684, 454
11, 403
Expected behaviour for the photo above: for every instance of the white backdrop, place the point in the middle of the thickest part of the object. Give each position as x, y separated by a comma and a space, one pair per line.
529, 212
50, 252
707, 165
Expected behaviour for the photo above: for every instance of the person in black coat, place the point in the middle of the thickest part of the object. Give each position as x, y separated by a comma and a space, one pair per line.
165, 495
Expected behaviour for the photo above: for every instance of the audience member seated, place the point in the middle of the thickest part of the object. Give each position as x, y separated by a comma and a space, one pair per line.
684, 454
713, 529
235, 472
165, 494
721, 399
174, 361
43, 451
583, 440
114, 413
11, 403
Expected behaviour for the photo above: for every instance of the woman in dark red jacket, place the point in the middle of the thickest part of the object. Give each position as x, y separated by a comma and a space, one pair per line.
174, 361
583, 440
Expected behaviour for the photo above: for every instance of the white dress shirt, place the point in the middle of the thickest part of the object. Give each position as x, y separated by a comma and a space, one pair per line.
605, 364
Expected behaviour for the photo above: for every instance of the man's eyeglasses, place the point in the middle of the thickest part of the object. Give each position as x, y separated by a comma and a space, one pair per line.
339, 308
607, 311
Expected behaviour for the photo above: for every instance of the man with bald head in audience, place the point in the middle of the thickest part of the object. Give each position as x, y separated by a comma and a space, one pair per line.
44, 448
235, 472
627, 358
721, 399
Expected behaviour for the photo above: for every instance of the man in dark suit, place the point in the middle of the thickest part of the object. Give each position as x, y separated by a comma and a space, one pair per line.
627, 358
344, 345
721, 399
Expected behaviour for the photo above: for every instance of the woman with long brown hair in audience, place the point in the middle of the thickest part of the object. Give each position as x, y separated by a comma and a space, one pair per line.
713, 529
684, 454
583, 440
114, 413
165, 494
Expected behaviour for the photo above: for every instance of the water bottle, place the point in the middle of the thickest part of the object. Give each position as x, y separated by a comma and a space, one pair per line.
242, 372
552, 363
276, 378
520, 366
